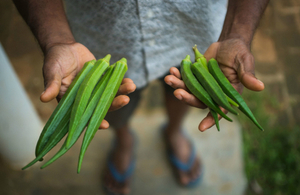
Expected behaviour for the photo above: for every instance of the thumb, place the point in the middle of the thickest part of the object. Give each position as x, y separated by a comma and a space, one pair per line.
52, 80
211, 51
245, 70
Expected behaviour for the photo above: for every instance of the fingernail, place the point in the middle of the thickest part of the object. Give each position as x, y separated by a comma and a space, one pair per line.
42, 92
260, 81
202, 129
179, 97
169, 83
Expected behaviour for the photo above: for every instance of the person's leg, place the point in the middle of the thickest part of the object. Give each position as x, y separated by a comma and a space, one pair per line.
176, 141
122, 153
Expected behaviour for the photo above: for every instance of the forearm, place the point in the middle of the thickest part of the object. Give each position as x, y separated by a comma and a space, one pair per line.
47, 21
242, 19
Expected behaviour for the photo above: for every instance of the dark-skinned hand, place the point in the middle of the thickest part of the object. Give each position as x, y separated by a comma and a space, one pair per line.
61, 65
237, 64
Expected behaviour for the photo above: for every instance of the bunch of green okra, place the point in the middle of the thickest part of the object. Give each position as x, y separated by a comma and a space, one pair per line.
208, 83
84, 104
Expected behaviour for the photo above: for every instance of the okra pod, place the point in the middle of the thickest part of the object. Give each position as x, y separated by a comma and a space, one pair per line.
62, 107
202, 60
59, 133
230, 91
103, 105
85, 117
231, 101
84, 93
211, 86
196, 88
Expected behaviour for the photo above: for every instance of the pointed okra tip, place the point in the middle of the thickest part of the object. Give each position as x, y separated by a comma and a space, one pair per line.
197, 53
79, 163
24, 167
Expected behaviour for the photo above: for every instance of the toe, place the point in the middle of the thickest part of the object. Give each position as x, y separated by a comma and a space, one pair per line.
124, 188
182, 149
195, 171
115, 187
184, 179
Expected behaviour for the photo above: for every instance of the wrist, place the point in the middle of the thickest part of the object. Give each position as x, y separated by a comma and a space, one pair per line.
47, 21
238, 31
246, 39
52, 39
241, 19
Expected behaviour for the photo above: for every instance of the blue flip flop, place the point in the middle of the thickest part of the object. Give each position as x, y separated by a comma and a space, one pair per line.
118, 176
121, 177
185, 167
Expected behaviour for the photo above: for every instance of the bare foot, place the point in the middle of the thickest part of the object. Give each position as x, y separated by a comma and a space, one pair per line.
181, 148
121, 158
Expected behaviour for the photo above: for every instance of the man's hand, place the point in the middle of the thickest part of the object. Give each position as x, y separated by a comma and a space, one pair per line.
237, 64
232, 51
64, 58
62, 64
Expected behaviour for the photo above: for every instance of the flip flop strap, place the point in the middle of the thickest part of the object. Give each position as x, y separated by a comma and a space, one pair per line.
118, 176
114, 172
184, 166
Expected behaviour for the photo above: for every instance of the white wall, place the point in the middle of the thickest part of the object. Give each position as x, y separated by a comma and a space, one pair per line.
20, 125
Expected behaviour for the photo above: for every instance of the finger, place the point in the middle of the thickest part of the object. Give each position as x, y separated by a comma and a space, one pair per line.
174, 71
252, 83
209, 121
67, 80
188, 98
65, 83
238, 86
126, 80
119, 102
245, 70
175, 82
126, 88
52, 88
104, 124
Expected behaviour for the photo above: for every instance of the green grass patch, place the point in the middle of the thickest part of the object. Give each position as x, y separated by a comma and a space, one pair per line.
272, 157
